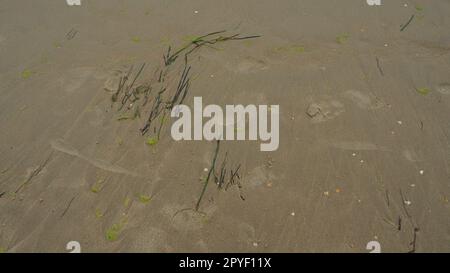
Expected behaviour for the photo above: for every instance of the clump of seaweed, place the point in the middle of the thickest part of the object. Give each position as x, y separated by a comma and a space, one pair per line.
134, 97
221, 177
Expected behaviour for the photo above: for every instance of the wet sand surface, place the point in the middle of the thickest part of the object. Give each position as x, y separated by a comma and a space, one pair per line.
364, 127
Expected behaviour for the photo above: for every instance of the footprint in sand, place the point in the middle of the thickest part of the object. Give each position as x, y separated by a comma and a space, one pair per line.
75, 78
183, 218
443, 88
324, 110
245, 232
259, 176
148, 239
250, 65
113, 79
363, 101
411, 156
111, 84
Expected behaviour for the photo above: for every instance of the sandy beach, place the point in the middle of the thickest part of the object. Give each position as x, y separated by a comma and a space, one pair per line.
87, 155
